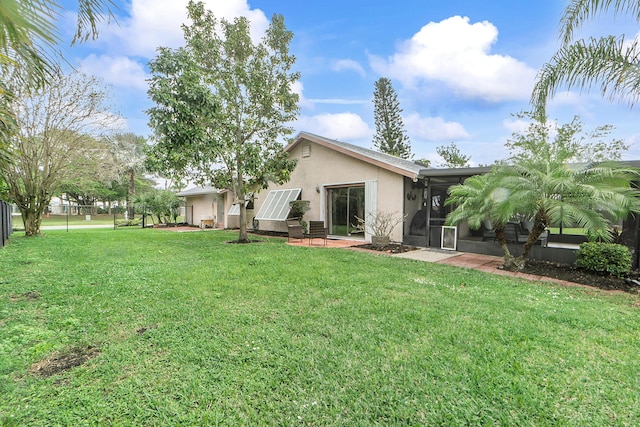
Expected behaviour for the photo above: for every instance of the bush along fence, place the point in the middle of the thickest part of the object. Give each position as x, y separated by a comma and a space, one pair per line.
5, 222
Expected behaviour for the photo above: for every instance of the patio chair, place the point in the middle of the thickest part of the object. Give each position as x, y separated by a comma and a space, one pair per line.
295, 232
515, 233
317, 230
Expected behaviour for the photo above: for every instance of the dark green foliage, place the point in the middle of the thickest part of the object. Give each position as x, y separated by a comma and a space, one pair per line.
163, 204
298, 209
604, 258
223, 104
452, 156
390, 136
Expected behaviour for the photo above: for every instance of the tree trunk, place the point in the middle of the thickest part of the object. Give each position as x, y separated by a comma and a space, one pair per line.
238, 194
32, 220
511, 263
539, 224
242, 237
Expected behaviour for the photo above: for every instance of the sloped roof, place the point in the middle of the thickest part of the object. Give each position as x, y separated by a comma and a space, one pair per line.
385, 161
199, 191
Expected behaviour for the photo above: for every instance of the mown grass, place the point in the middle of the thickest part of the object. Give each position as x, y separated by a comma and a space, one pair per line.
194, 331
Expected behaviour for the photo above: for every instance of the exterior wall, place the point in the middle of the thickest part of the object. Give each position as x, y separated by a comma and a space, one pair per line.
202, 206
326, 167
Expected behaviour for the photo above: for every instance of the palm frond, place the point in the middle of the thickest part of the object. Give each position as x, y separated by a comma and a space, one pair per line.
578, 11
608, 63
90, 14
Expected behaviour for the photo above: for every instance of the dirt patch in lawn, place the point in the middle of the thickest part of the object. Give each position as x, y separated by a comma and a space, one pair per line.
27, 296
63, 361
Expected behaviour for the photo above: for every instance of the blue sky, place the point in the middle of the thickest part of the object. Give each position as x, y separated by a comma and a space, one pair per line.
461, 68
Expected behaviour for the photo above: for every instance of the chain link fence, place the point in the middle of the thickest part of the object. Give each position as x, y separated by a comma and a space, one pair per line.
69, 217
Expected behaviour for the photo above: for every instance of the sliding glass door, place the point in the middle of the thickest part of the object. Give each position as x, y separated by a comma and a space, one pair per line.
344, 205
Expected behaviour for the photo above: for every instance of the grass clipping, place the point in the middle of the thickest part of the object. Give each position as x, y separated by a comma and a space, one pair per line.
63, 361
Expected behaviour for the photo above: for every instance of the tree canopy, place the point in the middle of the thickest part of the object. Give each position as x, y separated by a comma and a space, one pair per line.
57, 139
222, 105
27, 40
390, 136
452, 156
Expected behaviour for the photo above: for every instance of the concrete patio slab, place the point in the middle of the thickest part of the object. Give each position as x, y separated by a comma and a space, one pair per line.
428, 255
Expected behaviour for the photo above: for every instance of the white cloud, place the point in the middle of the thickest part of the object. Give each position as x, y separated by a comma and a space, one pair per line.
516, 126
520, 126
298, 87
339, 101
341, 126
458, 54
119, 71
348, 65
433, 128
633, 141
151, 25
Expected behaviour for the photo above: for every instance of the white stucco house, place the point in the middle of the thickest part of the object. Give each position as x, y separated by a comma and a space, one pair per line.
340, 180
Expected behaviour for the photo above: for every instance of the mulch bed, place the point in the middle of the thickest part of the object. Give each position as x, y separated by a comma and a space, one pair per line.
392, 248
573, 274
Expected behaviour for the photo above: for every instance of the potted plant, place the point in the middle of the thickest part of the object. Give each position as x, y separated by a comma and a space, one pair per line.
380, 225
298, 209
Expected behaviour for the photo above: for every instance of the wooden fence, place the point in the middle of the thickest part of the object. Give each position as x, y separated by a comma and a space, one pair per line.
6, 224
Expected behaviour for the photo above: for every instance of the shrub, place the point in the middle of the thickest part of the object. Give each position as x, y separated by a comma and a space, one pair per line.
380, 224
298, 209
609, 258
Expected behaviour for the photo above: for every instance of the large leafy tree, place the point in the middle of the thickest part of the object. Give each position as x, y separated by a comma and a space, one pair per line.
610, 63
223, 103
542, 183
57, 140
390, 136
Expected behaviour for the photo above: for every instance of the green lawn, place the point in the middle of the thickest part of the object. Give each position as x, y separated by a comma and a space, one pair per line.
188, 330
99, 219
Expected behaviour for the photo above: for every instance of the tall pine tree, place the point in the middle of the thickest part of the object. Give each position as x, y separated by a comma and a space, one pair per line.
390, 136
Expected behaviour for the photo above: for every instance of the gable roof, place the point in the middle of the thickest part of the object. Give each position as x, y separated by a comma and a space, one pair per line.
385, 161
199, 191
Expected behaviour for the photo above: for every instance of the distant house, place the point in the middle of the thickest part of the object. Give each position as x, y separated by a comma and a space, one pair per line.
205, 207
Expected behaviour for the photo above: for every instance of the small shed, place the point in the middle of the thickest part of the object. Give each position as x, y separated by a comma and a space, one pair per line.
205, 207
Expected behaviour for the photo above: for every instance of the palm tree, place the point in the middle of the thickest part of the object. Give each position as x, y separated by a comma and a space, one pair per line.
128, 150
610, 63
482, 199
548, 192
548, 181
